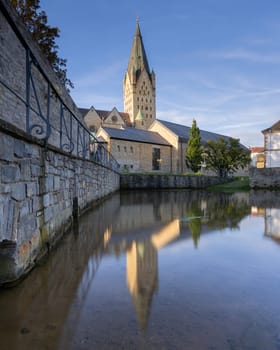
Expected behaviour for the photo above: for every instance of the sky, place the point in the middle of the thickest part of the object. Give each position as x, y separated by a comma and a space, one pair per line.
216, 61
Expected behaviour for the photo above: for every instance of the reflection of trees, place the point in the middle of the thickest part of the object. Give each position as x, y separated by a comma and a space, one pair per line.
226, 210
194, 214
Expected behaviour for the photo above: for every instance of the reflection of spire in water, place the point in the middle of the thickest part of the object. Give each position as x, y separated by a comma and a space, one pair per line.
142, 277
142, 269
107, 235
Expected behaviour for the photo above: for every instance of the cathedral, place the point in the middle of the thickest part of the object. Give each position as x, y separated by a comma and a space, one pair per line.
136, 138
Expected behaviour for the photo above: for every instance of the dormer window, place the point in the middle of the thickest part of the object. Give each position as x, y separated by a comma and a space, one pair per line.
114, 119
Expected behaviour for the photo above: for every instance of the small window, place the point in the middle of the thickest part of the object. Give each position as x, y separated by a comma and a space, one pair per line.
118, 147
124, 148
114, 119
131, 166
131, 149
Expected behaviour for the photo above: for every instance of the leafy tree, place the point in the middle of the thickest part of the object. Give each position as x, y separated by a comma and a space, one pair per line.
194, 150
225, 156
36, 22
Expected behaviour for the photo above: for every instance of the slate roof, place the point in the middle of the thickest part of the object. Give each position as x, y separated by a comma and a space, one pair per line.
136, 135
83, 111
138, 58
184, 131
274, 128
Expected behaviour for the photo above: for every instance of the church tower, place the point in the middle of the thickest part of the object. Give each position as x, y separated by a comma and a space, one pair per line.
139, 86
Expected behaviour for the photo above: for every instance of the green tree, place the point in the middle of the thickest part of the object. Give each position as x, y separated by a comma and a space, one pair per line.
36, 22
194, 150
226, 156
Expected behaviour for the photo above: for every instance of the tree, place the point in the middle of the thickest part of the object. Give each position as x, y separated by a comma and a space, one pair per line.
225, 156
194, 150
36, 22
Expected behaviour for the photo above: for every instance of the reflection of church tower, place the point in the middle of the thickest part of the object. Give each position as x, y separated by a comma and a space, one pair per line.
139, 86
142, 278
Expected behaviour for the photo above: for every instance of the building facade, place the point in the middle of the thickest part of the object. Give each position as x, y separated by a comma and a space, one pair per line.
272, 146
136, 138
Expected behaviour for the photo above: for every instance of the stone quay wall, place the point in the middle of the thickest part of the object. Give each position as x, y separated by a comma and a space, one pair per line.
150, 181
264, 178
51, 168
41, 189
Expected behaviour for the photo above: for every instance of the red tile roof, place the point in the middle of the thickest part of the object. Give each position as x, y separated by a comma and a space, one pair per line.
257, 149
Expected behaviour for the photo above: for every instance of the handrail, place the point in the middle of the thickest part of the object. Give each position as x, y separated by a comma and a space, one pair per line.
40, 119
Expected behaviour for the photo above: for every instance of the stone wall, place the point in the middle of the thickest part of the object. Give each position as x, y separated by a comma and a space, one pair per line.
44, 181
145, 181
38, 187
264, 178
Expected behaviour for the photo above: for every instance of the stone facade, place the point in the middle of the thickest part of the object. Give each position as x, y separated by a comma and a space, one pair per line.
264, 178
139, 87
37, 190
137, 181
272, 146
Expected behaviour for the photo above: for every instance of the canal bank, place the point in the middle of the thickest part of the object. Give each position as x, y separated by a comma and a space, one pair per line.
171, 181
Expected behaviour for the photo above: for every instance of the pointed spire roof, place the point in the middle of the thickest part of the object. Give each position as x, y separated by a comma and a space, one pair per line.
139, 116
138, 58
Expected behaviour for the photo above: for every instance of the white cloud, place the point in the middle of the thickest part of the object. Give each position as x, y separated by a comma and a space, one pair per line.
246, 55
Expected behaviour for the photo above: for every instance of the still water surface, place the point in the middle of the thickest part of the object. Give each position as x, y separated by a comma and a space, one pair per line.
156, 270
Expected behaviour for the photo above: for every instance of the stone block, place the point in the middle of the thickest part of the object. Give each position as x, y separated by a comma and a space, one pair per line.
56, 183
48, 214
49, 186
26, 228
18, 191
31, 189
19, 148
10, 173
5, 188
35, 170
6, 147
25, 170
46, 200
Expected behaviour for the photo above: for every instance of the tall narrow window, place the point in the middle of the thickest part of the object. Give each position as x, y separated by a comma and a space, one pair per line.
156, 159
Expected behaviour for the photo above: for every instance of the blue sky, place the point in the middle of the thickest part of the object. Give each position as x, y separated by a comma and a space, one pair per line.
216, 61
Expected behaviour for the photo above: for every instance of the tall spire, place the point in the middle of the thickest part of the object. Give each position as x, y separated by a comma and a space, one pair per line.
138, 59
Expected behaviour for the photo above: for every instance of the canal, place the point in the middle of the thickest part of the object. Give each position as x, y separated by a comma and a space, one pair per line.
156, 270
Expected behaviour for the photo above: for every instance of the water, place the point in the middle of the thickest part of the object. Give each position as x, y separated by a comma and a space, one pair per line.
156, 270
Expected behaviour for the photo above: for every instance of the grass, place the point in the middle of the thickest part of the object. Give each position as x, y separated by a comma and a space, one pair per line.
240, 183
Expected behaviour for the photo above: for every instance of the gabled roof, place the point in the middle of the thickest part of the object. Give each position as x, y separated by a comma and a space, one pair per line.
83, 111
274, 128
138, 58
104, 114
136, 135
183, 132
